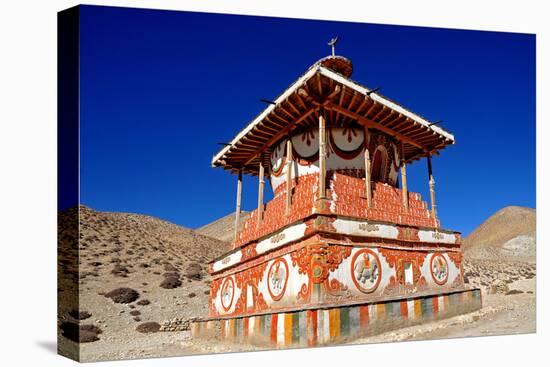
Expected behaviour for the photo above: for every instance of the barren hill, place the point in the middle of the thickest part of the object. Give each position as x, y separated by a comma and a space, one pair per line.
510, 234
133, 269
223, 228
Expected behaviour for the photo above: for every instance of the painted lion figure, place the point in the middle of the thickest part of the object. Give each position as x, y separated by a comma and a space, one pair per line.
227, 292
439, 268
278, 277
366, 270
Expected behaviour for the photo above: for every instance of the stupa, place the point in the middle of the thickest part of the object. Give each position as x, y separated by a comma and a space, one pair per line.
343, 249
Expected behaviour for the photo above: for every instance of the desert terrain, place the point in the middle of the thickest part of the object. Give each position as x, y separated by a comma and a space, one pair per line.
138, 272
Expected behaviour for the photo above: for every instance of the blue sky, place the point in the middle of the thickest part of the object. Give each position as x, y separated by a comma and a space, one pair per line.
160, 89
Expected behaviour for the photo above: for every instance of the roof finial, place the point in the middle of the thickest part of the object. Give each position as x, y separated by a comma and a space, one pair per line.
332, 43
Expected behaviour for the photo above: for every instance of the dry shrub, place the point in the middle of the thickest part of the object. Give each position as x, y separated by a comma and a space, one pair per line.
120, 271
123, 295
148, 327
192, 294
135, 313
170, 283
143, 302
84, 334
169, 267
194, 271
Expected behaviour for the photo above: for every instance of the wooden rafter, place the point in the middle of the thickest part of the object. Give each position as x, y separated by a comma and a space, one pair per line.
372, 124
278, 136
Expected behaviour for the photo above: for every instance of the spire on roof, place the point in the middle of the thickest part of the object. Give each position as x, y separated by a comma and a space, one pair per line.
332, 43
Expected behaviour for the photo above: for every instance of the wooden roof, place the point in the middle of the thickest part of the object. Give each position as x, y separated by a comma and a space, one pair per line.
343, 102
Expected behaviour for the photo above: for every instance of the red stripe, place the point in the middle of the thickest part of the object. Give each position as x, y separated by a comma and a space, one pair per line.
274, 318
404, 311
312, 325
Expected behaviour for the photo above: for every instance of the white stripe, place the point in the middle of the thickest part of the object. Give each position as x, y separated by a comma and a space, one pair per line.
280, 329
410, 309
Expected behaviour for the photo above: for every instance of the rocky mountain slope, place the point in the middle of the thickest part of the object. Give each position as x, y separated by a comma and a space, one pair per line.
135, 272
509, 234
223, 228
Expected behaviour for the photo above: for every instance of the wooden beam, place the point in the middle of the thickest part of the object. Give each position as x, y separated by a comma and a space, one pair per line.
371, 107
379, 113
371, 124
278, 136
362, 105
389, 119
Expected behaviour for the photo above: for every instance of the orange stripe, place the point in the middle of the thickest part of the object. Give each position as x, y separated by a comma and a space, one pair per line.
334, 323
381, 311
363, 316
417, 309
404, 311
257, 324
245, 327
288, 328
435, 306
273, 335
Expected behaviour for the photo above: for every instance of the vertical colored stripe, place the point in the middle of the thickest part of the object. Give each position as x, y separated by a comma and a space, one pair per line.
364, 316
404, 310
246, 320
302, 328
435, 306
334, 316
222, 327
372, 312
354, 320
426, 307
312, 327
280, 328
441, 304
344, 321
380, 311
417, 309
273, 333
410, 309
288, 328
295, 328
326, 326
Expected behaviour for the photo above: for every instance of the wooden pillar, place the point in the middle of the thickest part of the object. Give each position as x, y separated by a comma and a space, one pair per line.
322, 155
404, 190
261, 184
288, 175
368, 183
238, 209
432, 187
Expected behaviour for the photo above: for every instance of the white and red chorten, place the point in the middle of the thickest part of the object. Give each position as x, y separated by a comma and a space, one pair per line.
342, 248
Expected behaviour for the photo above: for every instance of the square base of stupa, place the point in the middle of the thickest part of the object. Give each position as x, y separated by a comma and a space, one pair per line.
336, 324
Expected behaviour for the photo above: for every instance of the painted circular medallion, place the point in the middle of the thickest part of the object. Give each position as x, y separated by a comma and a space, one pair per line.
366, 270
227, 293
277, 278
439, 269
